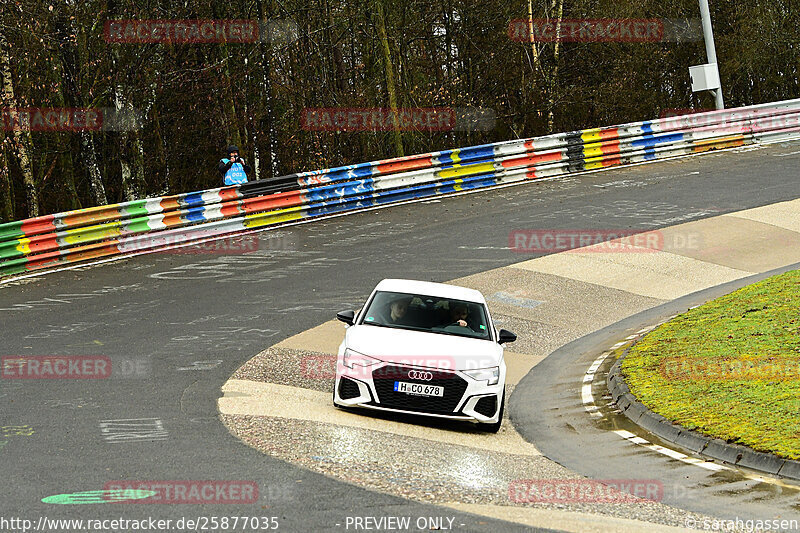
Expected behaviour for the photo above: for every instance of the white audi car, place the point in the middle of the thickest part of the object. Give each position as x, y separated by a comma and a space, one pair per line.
423, 348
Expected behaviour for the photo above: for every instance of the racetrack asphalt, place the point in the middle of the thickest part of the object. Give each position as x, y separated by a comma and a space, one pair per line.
279, 401
177, 326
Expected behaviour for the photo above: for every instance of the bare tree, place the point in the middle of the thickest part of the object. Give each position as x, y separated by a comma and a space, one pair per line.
23, 143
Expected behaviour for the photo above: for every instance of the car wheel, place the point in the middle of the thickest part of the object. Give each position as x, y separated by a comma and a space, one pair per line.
494, 428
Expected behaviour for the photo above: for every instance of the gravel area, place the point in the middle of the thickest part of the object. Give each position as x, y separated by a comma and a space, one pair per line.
298, 368
425, 471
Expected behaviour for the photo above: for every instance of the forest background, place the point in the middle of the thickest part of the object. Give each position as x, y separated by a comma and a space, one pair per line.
467, 57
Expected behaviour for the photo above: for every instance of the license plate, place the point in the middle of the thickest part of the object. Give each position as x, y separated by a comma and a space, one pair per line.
418, 388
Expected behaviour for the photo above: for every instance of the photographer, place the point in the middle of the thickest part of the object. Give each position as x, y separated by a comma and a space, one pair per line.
233, 169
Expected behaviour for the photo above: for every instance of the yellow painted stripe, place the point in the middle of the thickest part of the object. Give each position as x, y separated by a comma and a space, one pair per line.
594, 151
457, 185
91, 233
468, 170
592, 166
454, 156
592, 135
720, 140
24, 245
718, 144
78, 231
274, 217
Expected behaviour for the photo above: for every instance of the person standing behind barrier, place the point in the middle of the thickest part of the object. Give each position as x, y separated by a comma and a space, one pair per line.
234, 170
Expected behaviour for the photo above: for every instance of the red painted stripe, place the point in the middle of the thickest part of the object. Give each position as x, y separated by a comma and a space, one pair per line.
35, 226
402, 164
273, 201
231, 209
533, 159
531, 174
229, 194
43, 243
609, 133
610, 148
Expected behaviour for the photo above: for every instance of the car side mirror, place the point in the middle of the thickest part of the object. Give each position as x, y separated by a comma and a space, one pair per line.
505, 336
348, 317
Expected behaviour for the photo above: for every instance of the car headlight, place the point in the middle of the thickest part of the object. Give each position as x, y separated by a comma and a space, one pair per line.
351, 359
491, 375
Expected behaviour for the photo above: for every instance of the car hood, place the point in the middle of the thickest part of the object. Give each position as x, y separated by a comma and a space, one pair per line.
423, 349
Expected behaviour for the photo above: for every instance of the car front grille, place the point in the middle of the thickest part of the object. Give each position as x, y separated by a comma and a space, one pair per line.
384, 378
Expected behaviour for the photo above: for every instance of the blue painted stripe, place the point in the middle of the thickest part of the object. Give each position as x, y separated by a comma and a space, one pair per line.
654, 140
339, 190
191, 199
195, 214
485, 151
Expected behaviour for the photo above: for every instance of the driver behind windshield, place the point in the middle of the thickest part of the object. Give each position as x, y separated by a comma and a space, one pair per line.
457, 315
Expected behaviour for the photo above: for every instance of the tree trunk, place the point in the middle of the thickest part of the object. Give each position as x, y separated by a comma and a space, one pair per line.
532, 35
551, 96
388, 69
23, 142
6, 192
68, 53
129, 142
266, 122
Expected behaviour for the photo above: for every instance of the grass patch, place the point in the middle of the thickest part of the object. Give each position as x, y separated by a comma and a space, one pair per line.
730, 368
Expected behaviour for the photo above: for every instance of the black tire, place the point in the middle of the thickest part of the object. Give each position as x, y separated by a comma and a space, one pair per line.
494, 428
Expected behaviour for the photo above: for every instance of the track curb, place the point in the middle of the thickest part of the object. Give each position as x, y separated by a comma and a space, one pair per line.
710, 447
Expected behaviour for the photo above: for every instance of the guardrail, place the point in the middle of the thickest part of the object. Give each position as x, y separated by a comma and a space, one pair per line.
142, 225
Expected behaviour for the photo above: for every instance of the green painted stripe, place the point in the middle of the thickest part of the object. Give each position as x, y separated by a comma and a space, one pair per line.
136, 209
11, 270
11, 230
137, 225
14, 264
10, 249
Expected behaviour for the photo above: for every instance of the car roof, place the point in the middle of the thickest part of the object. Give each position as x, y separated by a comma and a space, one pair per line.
427, 288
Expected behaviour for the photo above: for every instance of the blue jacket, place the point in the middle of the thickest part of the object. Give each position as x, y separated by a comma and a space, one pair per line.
234, 173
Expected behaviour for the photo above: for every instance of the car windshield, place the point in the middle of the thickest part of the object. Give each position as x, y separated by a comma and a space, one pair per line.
427, 313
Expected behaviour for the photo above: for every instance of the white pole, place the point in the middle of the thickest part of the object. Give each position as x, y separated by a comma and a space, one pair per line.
711, 52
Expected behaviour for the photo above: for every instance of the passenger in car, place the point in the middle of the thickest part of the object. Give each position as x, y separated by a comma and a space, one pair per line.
395, 312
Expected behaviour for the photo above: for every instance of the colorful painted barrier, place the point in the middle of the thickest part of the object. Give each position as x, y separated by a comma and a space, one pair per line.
153, 223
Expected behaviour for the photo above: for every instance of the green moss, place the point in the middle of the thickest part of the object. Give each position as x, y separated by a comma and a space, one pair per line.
730, 368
